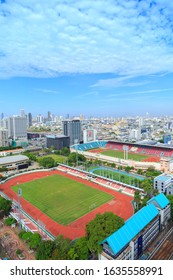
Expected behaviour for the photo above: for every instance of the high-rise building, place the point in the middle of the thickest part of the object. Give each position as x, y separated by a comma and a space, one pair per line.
39, 118
49, 116
22, 113
72, 128
2, 116
3, 137
135, 134
29, 119
17, 127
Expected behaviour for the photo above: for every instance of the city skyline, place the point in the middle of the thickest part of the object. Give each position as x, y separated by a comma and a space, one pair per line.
86, 58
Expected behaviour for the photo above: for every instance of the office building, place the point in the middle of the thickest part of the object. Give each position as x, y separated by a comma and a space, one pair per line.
4, 137
72, 128
49, 116
17, 127
57, 141
29, 119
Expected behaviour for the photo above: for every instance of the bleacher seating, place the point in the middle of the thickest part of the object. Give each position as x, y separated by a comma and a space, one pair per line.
157, 151
90, 145
115, 146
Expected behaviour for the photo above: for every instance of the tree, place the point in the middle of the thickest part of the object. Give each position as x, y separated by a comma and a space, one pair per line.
170, 198
79, 250
101, 227
122, 178
34, 241
73, 157
9, 221
139, 171
5, 206
47, 162
45, 250
65, 151
31, 156
128, 168
137, 199
151, 172
147, 186
61, 248
25, 236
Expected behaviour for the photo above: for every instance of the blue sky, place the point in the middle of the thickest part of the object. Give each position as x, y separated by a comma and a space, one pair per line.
112, 58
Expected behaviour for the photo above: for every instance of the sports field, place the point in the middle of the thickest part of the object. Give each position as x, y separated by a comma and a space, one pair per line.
120, 154
120, 176
62, 199
57, 158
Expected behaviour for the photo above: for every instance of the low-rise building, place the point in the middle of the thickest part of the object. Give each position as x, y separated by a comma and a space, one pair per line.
164, 183
130, 241
14, 162
57, 141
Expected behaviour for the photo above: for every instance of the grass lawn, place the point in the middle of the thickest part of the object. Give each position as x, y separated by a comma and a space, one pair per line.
120, 154
57, 158
131, 180
62, 199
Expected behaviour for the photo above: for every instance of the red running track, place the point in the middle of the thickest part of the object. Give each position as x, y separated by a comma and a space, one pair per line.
121, 205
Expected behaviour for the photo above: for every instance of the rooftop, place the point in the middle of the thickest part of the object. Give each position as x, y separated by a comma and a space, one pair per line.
160, 199
54, 136
12, 159
131, 228
163, 178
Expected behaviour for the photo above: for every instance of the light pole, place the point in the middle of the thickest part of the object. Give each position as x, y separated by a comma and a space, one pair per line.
19, 206
76, 142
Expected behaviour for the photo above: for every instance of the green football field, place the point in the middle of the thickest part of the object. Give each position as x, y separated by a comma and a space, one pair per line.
62, 199
120, 154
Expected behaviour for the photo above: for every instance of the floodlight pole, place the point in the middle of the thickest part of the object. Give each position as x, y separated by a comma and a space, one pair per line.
19, 206
76, 142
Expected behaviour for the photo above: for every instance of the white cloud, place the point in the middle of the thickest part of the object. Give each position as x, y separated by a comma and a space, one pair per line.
138, 95
47, 91
46, 38
122, 81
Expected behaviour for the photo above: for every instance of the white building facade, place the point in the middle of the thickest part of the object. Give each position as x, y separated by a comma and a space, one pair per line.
164, 183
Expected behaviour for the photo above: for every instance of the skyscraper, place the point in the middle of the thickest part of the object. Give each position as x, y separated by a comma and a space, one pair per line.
72, 128
29, 119
17, 127
22, 112
49, 118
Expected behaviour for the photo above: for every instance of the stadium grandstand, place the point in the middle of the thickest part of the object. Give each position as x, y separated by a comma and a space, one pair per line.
89, 146
159, 151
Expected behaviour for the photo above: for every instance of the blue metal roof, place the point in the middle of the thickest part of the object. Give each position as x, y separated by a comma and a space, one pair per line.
131, 228
162, 178
161, 199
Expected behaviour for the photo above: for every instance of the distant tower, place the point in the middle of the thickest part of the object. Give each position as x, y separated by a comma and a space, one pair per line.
29, 119
22, 113
49, 116
2, 116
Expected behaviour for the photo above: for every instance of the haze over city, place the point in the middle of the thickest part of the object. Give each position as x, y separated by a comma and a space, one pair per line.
85, 57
